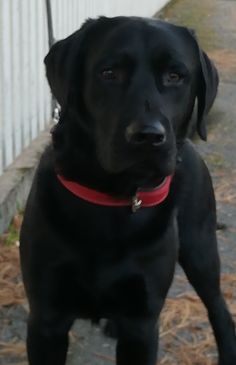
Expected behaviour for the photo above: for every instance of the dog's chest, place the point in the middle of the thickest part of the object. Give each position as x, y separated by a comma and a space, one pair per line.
113, 270
119, 288
105, 226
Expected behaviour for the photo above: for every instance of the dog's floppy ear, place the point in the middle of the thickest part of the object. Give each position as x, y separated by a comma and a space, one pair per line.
207, 86
207, 90
64, 61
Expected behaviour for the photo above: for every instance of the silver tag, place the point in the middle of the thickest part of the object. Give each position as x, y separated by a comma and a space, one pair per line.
136, 204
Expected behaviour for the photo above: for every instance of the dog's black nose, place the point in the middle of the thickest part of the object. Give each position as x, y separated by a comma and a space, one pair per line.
149, 134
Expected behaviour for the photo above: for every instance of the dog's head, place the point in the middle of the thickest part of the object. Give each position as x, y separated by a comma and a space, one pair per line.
129, 86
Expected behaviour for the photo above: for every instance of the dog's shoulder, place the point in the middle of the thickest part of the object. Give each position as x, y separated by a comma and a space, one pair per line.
43, 177
46, 162
193, 179
192, 159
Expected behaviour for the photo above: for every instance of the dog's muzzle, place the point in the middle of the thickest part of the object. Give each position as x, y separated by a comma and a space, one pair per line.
146, 135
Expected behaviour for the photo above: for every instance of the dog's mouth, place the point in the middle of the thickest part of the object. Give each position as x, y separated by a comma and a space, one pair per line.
146, 168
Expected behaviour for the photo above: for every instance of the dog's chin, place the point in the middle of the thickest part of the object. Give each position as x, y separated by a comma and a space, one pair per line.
150, 176
147, 173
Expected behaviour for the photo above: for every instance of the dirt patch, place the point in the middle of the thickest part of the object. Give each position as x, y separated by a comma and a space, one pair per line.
192, 14
225, 189
11, 287
224, 59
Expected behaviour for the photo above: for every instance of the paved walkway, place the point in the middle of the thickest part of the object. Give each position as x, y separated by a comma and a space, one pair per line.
215, 25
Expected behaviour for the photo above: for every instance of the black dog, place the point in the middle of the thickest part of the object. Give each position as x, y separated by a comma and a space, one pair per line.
127, 88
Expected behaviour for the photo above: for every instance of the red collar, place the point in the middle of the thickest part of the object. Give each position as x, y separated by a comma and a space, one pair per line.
142, 198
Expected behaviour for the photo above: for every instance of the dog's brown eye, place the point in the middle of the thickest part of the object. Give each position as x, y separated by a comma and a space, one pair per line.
172, 78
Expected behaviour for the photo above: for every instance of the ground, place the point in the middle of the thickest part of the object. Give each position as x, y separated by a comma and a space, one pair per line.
186, 337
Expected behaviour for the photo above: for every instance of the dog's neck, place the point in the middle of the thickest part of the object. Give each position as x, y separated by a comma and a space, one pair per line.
90, 174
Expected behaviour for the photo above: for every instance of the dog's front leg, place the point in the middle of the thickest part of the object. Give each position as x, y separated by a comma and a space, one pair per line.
137, 341
47, 340
138, 335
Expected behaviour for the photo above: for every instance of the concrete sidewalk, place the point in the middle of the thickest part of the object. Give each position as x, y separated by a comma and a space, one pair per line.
215, 25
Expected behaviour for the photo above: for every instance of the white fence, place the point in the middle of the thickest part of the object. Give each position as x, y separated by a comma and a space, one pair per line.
24, 94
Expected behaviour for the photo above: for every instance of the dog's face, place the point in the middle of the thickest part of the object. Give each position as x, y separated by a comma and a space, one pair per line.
133, 83
137, 82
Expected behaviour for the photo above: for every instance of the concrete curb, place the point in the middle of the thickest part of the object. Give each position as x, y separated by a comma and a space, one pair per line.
16, 181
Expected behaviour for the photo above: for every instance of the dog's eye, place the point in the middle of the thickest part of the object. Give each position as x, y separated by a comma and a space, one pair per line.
172, 78
108, 74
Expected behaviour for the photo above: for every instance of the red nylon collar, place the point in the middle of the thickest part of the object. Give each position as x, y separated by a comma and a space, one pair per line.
141, 199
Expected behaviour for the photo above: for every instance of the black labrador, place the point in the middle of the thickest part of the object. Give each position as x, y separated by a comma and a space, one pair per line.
91, 245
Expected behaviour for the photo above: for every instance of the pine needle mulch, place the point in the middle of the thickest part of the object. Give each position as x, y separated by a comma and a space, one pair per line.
185, 332
11, 287
185, 335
